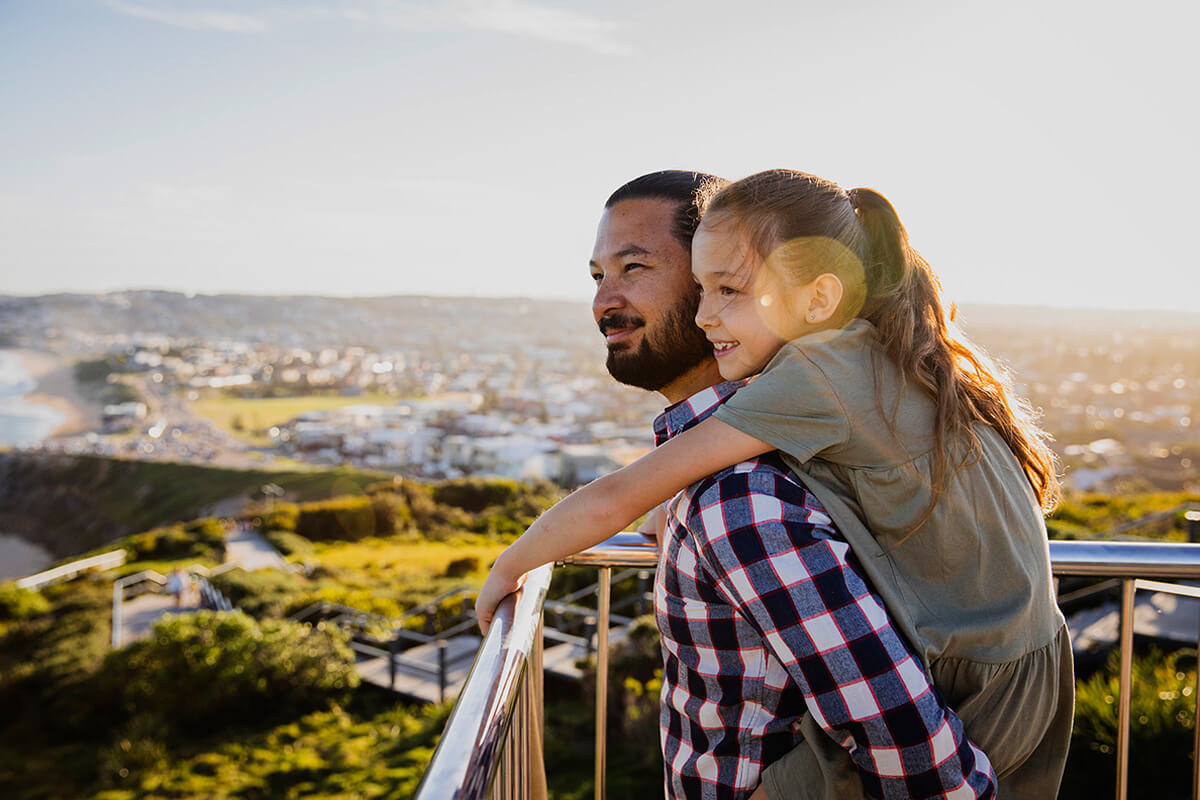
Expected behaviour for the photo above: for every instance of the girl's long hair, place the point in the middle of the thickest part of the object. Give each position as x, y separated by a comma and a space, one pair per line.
903, 301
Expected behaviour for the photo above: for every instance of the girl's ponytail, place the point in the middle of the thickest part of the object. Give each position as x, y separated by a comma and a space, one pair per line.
914, 328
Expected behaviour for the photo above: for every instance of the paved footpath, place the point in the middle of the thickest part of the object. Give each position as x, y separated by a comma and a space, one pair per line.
243, 547
139, 613
251, 551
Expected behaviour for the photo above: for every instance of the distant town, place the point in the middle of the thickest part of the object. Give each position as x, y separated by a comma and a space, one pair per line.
436, 387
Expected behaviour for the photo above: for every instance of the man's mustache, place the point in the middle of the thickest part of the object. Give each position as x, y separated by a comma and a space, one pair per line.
619, 321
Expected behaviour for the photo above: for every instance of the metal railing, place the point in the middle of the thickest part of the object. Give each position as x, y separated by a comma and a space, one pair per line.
492, 743
468, 757
379, 636
65, 572
1134, 564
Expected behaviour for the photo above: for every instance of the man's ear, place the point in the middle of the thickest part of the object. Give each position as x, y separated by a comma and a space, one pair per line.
824, 297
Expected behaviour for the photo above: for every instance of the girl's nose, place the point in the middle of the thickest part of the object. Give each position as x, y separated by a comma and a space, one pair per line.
705, 318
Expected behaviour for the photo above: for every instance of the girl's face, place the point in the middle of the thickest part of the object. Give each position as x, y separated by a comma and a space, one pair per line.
747, 310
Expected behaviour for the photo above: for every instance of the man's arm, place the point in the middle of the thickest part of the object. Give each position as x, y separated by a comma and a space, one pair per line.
759, 539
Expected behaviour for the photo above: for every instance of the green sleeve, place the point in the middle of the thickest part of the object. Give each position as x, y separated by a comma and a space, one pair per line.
791, 406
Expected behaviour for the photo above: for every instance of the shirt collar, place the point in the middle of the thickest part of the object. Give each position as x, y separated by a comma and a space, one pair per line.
679, 417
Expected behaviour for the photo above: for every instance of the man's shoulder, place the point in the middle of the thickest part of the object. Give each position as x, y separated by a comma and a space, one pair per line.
764, 475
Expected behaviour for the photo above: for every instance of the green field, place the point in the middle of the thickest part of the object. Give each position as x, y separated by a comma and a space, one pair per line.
249, 418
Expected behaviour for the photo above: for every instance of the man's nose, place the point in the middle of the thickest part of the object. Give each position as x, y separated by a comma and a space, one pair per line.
607, 300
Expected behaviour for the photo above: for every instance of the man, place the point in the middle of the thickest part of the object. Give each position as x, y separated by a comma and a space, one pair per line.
773, 643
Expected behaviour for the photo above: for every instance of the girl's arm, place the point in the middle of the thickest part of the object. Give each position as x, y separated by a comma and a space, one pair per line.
608, 504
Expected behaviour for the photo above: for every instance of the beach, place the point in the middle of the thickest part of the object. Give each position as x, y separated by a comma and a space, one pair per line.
55, 389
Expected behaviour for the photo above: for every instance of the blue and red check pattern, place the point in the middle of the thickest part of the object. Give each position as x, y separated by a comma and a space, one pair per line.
764, 617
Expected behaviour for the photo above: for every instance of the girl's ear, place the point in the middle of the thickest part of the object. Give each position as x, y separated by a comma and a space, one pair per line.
824, 297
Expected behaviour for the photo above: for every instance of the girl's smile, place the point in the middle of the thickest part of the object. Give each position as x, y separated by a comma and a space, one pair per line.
739, 312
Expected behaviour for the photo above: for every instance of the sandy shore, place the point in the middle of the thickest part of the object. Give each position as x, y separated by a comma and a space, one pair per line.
57, 389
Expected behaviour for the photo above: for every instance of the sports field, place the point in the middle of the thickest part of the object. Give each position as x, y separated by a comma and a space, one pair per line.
249, 419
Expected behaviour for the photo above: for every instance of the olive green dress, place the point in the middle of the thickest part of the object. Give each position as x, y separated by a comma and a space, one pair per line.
968, 582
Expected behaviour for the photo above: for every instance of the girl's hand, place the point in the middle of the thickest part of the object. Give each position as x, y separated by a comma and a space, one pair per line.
499, 585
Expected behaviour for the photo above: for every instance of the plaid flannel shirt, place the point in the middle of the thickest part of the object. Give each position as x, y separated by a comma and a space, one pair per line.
764, 616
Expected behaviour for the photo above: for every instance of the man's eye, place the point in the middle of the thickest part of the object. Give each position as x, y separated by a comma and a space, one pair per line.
633, 266
597, 276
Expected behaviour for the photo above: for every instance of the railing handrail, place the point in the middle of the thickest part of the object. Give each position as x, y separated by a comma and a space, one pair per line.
623, 550
113, 558
1145, 559
1091, 558
469, 754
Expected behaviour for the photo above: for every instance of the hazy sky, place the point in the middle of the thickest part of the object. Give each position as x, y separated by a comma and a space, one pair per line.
1039, 152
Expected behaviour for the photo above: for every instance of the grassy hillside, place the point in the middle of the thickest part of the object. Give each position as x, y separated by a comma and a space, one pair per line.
73, 504
243, 705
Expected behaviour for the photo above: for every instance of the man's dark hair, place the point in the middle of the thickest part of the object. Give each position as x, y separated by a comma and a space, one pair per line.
689, 189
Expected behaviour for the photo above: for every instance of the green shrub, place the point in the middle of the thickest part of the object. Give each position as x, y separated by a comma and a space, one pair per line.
279, 517
461, 567
475, 494
288, 543
204, 670
348, 518
266, 593
434, 520
1161, 731
201, 539
17, 603
500, 524
392, 514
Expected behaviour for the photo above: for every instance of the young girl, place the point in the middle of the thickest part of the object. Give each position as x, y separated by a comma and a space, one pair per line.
904, 431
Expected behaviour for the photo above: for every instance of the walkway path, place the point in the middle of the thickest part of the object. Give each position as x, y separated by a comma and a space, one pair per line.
250, 551
243, 547
139, 614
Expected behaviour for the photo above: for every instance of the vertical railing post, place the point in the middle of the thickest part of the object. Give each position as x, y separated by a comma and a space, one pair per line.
392, 645
603, 590
1196, 743
1125, 686
441, 650
643, 582
1193, 524
537, 720
118, 598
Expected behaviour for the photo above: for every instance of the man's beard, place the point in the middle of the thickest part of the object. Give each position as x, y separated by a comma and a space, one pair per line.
664, 354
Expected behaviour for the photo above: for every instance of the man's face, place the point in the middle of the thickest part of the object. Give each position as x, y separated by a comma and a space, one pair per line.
646, 299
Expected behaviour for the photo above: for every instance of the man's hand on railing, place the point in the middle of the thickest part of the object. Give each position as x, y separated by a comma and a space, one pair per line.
654, 524
499, 584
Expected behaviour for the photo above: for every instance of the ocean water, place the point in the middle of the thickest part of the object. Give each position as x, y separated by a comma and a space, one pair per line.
19, 558
22, 422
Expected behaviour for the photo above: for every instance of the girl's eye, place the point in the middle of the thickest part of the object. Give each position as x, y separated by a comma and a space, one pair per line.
727, 291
